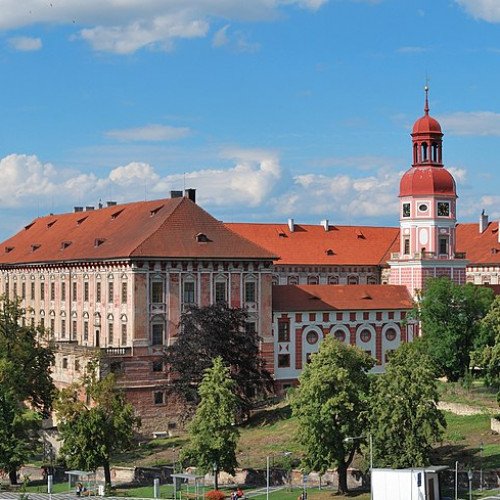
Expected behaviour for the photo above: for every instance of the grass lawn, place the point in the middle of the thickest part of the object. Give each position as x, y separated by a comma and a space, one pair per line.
477, 395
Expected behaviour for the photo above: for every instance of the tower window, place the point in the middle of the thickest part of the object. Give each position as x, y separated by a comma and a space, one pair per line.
407, 246
424, 151
443, 246
435, 157
406, 210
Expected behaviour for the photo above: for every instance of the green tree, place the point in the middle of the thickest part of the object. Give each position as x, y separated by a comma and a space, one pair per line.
404, 417
92, 432
331, 405
213, 435
451, 320
26, 387
487, 354
206, 333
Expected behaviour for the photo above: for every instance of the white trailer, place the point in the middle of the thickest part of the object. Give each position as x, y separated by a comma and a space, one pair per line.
407, 484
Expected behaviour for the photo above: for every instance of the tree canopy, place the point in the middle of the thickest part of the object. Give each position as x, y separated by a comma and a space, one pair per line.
404, 417
213, 435
92, 431
206, 333
26, 387
331, 404
451, 320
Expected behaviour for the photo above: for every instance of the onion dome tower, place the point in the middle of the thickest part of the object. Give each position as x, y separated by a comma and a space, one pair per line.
428, 195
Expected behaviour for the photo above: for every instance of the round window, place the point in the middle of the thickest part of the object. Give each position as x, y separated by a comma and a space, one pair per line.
422, 207
312, 337
390, 334
339, 335
365, 335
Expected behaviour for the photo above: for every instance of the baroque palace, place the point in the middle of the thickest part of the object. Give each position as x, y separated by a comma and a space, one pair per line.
116, 279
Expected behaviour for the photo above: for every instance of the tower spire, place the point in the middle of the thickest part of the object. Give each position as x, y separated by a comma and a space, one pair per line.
426, 107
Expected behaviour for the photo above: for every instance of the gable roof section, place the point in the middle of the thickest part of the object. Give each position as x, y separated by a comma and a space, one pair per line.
292, 298
168, 228
480, 248
312, 245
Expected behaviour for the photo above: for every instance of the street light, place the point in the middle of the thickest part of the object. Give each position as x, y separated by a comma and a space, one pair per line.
353, 438
470, 475
285, 454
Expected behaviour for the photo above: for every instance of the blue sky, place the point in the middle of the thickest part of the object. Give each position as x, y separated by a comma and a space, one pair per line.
270, 108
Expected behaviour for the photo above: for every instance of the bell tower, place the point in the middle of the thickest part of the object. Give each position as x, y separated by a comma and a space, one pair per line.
427, 194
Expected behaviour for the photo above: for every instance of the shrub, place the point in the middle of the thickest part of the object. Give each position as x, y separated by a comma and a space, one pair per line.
215, 495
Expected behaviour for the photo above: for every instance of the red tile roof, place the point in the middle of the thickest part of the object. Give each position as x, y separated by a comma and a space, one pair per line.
168, 228
480, 248
296, 298
312, 245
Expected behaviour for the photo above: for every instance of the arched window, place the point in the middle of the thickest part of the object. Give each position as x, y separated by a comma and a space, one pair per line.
435, 150
352, 280
333, 280
424, 151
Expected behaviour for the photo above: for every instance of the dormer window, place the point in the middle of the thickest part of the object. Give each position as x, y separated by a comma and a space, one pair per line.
359, 234
155, 210
51, 223
65, 244
202, 238
98, 242
28, 226
8, 249
329, 251
35, 247
82, 220
116, 214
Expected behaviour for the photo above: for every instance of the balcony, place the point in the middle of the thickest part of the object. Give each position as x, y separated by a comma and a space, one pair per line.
72, 347
425, 256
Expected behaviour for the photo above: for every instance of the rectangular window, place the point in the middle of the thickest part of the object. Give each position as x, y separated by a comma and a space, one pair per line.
156, 292
52, 325
42, 322
220, 292
111, 290
159, 398
63, 328
86, 291
124, 292
73, 330
74, 291
407, 246
116, 367
23, 290
283, 360
188, 297
63, 291
443, 246
42, 291
406, 210
157, 366
86, 331
52, 291
32, 295
284, 331
98, 291
124, 334
250, 327
157, 334
65, 363
32, 322
250, 291
110, 333
7, 289
77, 365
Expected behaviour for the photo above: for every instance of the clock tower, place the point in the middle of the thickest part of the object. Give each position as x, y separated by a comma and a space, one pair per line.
427, 209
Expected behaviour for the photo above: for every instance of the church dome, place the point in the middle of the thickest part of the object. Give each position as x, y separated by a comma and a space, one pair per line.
426, 125
427, 181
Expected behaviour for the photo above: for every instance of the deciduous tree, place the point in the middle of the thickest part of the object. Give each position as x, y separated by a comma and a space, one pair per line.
404, 417
93, 431
331, 405
206, 333
213, 435
451, 316
26, 387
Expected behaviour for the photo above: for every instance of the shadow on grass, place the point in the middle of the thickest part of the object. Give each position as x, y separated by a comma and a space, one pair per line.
269, 416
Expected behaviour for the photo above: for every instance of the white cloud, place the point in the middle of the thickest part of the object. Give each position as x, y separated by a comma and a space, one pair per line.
342, 196
152, 132
236, 41
367, 162
412, 50
475, 123
487, 10
125, 26
459, 174
25, 43
220, 38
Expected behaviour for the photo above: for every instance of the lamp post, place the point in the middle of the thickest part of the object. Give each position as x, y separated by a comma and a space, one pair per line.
370, 441
470, 475
268, 458
481, 470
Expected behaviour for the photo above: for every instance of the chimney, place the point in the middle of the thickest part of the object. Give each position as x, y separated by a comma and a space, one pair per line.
78, 209
324, 223
111, 203
175, 194
483, 222
88, 209
291, 225
190, 194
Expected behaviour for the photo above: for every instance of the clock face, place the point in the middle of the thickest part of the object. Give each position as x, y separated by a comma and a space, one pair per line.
423, 207
443, 209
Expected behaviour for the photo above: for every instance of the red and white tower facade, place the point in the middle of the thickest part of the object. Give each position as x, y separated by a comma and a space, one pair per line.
428, 198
